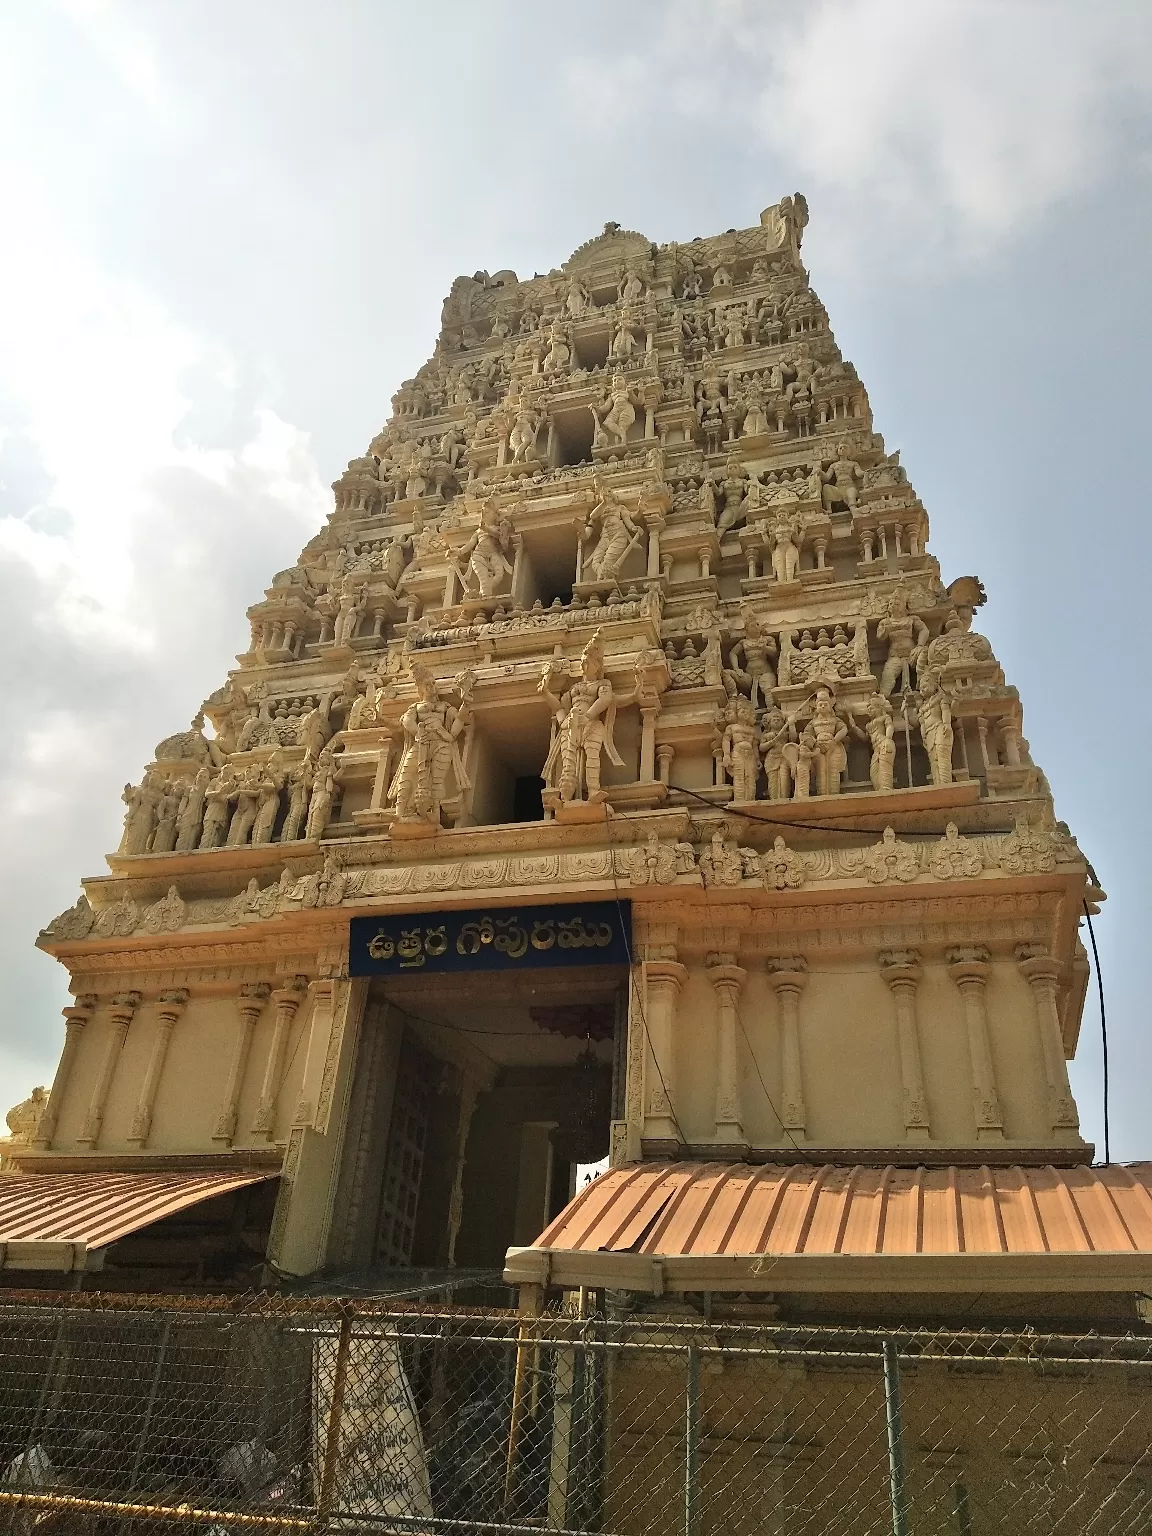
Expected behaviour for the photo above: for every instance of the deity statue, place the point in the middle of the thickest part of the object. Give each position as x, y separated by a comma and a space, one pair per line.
784, 536
247, 798
734, 486
483, 562
935, 720
906, 634
167, 814
585, 717
300, 782
559, 354
755, 649
630, 288
618, 536
316, 727
616, 414
839, 484
323, 795
269, 785
755, 422
775, 733
740, 746
141, 801
878, 732
623, 342
577, 299
192, 811
825, 734
525, 430
432, 728
353, 599
785, 222
218, 796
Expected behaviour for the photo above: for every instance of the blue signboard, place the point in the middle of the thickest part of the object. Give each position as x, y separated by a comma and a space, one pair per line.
517, 939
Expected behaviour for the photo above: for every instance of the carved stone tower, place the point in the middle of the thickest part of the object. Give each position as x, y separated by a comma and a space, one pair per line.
620, 672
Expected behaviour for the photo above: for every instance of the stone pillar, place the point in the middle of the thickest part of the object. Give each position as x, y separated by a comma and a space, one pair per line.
655, 525
383, 776
968, 967
287, 1000
901, 969
1042, 974
665, 752
727, 980
704, 555
76, 1016
120, 1012
665, 978
172, 1005
249, 1005
788, 976
649, 714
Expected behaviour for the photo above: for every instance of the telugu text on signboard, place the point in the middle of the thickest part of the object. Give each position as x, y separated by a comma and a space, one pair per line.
581, 933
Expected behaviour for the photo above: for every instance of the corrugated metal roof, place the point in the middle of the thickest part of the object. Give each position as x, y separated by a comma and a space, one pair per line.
798, 1227
717, 1209
57, 1217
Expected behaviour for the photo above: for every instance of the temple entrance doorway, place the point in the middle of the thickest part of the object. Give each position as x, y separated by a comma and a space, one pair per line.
475, 1100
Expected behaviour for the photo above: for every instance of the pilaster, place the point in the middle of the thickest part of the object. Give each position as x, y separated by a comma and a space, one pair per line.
286, 1000
249, 1006
727, 980
968, 966
171, 1006
902, 971
76, 1017
120, 1014
788, 976
1042, 973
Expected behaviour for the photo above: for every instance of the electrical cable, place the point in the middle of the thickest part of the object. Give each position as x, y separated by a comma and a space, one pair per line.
1103, 1033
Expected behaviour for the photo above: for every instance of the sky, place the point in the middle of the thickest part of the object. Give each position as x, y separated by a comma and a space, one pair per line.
228, 231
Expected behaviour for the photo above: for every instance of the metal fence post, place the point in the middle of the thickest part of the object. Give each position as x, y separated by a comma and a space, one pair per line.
335, 1416
691, 1438
896, 1488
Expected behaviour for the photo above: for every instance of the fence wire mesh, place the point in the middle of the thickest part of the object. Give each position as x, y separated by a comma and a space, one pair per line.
117, 1413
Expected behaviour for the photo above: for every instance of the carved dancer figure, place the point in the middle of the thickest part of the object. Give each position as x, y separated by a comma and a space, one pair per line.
432, 728
559, 354
615, 415
525, 430
577, 299
192, 812
300, 782
905, 634
141, 801
316, 727
585, 718
935, 719
755, 648
323, 796
619, 535
741, 748
734, 485
878, 732
483, 562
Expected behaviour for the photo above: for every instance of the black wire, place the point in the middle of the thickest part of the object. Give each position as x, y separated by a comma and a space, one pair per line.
1103, 1034
774, 821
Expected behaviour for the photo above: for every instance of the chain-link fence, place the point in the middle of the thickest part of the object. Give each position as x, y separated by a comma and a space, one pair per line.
236, 1415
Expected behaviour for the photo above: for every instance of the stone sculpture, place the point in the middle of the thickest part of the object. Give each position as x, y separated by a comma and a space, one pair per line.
584, 716
432, 729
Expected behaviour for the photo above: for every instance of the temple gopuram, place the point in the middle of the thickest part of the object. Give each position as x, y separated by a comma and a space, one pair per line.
615, 775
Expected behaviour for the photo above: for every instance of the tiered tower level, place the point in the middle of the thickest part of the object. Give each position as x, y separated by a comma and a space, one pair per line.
630, 532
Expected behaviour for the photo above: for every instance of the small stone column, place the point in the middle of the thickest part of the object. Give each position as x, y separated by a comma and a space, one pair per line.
649, 714
968, 967
249, 1005
788, 976
76, 1016
727, 980
1042, 974
655, 527
287, 1000
172, 1005
665, 753
120, 1013
901, 969
665, 979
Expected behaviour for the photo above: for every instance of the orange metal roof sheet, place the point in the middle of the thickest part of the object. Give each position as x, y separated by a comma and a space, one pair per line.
95, 1209
724, 1209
